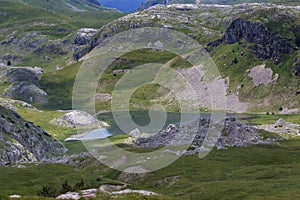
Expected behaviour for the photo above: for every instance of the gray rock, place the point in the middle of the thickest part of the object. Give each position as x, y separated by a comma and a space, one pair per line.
84, 35
78, 118
234, 133
27, 92
24, 142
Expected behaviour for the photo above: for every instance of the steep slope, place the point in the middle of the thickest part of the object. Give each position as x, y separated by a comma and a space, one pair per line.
21, 141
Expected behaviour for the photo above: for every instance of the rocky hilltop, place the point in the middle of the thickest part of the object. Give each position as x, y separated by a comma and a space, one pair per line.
22, 141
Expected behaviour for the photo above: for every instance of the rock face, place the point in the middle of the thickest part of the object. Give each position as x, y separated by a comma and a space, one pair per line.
264, 43
78, 119
84, 35
234, 133
81, 40
23, 84
21, 141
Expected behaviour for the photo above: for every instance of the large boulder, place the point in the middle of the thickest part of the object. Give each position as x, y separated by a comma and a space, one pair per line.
78, 118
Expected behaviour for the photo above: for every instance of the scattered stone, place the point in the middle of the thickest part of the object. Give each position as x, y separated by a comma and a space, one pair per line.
69, 196
282, 128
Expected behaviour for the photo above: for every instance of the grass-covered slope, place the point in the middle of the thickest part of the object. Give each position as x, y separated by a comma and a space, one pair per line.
257, 172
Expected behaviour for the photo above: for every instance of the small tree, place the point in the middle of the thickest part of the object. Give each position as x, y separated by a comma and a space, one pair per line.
9, 63
47, 191
65, 188
79, 185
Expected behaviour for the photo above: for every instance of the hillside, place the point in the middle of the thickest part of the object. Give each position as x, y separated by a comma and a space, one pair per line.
45, 29
255, 47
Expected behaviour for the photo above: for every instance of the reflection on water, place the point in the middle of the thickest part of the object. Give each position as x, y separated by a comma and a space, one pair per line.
141, 118
98, 134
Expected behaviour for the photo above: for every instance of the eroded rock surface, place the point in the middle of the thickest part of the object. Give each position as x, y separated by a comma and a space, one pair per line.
22, 141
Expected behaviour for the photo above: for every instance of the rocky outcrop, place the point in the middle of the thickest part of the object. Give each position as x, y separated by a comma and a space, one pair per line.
234, 133
28, 92
264, 43
84, 35
82, 40
22, 141
78, 119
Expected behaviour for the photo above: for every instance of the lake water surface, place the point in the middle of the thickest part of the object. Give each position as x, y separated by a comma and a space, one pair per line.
142, 119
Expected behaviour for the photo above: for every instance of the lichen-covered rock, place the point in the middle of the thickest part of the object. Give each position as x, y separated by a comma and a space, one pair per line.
24, 142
